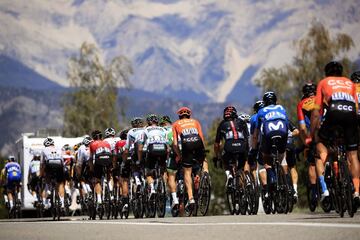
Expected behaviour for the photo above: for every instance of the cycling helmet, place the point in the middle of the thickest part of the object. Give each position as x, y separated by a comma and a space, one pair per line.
96, 135
136, 122
109, 132
184, 112
245, 117
48, 142
230, 112
258, 105
152, 118
11, 158
333, 68
309, 89
66, 147
165, 119
269, 98
355, 77
123, 134
86, 141
76, 146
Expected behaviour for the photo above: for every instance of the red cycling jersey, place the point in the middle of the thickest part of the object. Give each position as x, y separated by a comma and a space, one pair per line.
120, 146
99, 145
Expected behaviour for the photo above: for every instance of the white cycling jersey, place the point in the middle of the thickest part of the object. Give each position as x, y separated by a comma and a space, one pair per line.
112, 141
133, 137
83, 154
153, 135
51, 153
34, 168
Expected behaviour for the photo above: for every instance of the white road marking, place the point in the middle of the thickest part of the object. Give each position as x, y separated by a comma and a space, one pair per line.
169, 224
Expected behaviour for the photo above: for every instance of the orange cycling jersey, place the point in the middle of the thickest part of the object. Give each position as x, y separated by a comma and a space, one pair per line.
185, 127
334, 88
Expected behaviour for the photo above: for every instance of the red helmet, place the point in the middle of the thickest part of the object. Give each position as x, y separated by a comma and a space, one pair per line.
184, 111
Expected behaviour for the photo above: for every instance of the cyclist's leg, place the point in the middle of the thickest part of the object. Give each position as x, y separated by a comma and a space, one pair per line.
291, 161
60, 179
10, 188
351, 141
149, 169
320, 159
98, 172
172, 168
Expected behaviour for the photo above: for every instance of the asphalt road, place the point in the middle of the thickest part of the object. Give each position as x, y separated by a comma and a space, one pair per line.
280, 227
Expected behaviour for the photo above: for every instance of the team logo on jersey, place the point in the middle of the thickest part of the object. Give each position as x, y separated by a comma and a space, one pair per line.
277, 126
339, 96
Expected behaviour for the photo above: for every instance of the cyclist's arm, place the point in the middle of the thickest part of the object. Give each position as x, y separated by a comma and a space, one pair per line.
200, 131
175, 141
217, 143
315, 114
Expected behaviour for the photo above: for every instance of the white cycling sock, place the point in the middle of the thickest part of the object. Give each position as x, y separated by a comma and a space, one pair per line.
152, 187
11, 204
83, 186
99, 198
88, 188
227, 172
295, 187
6, 199
174, 198
67, 189
111, 187
137, 180
62, 201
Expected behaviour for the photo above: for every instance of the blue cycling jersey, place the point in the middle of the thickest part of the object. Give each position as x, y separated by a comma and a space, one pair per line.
13, 171
271, 113
253, 123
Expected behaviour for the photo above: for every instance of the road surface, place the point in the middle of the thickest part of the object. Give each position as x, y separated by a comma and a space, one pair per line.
280, 227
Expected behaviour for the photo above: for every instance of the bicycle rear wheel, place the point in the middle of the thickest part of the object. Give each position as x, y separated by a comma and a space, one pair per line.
161, 198
347, 189
204, 194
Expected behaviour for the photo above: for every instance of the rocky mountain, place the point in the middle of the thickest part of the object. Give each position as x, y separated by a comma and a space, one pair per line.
203, 50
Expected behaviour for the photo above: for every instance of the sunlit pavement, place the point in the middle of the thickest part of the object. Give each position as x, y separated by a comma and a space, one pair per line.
290, 226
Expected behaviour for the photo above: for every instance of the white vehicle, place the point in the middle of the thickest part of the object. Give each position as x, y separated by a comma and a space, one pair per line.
25, 147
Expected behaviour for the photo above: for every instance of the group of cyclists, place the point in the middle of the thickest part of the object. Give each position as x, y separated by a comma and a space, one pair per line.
253, 143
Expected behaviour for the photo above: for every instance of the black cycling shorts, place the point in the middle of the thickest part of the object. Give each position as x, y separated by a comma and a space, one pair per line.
55, 173
347, 120
155, 158
192, 154
230, 159
290, 155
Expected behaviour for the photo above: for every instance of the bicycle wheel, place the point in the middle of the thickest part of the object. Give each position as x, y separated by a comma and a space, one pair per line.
347, 188
291, 191
230, 196
161, 198
204, 194
254, 195
266, 202
241, 188
312, 201
150, 203
281, 196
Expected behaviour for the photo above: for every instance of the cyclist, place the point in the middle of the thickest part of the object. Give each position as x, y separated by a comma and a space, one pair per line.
52, 167
272, 121
171, 166
337, 95
69, 160
234, 132
3, 184
355, 77
109, 135
82, 166
131, 147
34, 176
290, 159
13, 180
100, 157
122, 172
155, 139
304, 109
187, 132
253, 157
